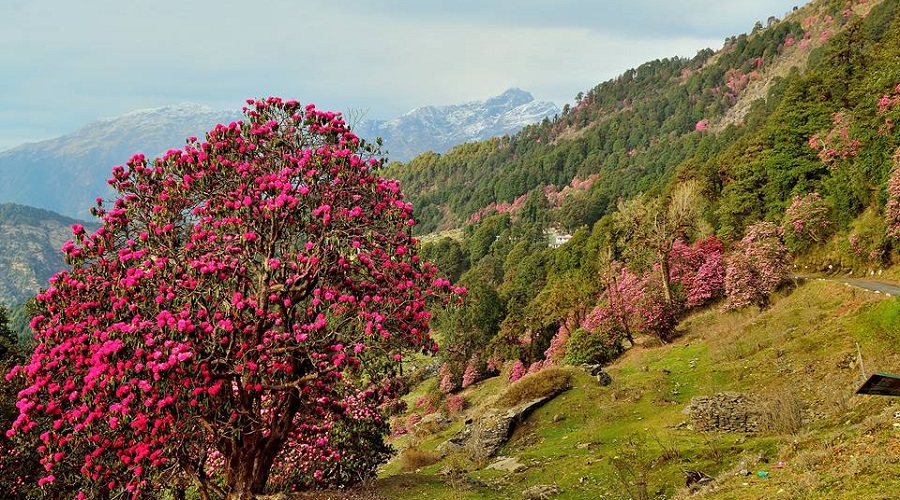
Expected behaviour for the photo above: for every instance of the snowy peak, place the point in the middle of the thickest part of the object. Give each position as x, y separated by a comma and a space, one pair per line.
438, 128
67, 173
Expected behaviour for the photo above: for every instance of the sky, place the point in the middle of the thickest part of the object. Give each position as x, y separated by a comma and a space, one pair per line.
64, 64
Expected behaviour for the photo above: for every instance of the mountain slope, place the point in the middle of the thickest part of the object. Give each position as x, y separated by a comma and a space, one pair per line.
438, 128
762, 96
797, 363
30, 242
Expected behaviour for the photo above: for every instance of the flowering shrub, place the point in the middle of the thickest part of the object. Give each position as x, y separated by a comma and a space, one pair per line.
892, 207
517, 371
634, 304
699, 269
836, 144
757, 266
219, 321
806, 221
472, 373
447, 378
455, 404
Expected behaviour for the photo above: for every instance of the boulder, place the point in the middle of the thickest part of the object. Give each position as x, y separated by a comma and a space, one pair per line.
482, 438
508, 464
597, 372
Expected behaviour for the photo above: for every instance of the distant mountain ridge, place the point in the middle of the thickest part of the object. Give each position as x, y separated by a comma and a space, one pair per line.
67, 173
438, 128
30, 243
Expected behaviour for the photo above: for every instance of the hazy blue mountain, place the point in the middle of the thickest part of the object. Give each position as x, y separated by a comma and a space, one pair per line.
67, 173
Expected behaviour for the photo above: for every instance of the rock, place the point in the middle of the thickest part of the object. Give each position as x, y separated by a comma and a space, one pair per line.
448, 448
597, 372
540, 492
492, 430
582, 446
436, 421
696, 478
483, 438
508, 464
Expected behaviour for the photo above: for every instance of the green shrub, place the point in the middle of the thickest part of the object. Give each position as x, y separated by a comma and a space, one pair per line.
600, 347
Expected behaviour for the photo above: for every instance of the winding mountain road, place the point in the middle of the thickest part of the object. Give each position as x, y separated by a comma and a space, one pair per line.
889, 289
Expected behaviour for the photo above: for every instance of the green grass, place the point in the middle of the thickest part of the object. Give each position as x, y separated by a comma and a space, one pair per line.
590, 437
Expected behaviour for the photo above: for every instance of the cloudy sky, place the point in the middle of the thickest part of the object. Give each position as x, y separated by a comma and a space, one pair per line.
65, 63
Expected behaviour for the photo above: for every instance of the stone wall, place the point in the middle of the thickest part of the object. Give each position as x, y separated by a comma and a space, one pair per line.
725, 412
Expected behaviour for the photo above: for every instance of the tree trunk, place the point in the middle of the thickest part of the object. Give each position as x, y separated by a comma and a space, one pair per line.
248, 468
664, 271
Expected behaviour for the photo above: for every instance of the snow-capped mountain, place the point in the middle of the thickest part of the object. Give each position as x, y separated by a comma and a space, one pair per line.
438, 128
66, 174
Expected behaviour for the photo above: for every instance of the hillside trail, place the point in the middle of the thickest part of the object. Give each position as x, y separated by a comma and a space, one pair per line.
887, 288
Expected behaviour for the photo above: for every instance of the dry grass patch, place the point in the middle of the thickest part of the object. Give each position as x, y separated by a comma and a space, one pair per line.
547, 382
412, 459
782, 414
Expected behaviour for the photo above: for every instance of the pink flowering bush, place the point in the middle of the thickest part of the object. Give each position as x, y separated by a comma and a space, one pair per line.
699, 269
635, 304
837, 144
472, 373
455, 404
757, 266
446, 378
892, 207
517, 371
806, 221
232, 317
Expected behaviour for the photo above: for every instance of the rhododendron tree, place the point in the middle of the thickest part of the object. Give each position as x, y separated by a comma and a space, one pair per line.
699, 269
892, 207
836, 144
633, 304
652, 225
240, 307
517, 370
447, 382
806, 221
472, 373
758, 265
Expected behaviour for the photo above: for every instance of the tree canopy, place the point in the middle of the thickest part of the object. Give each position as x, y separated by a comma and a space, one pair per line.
237, 316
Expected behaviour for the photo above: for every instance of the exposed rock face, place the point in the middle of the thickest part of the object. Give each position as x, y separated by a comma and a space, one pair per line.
483, 438
726, 412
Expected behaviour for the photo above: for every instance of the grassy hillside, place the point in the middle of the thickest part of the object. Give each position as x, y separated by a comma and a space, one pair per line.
800, 356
